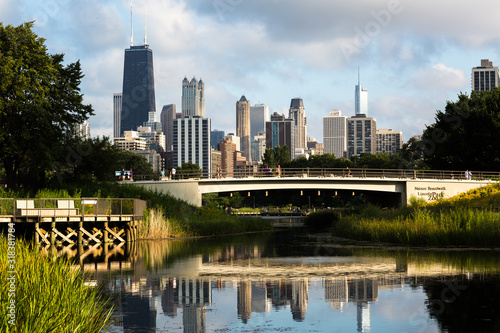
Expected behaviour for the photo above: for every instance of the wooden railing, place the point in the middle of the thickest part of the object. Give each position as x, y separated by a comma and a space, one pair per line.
56, 207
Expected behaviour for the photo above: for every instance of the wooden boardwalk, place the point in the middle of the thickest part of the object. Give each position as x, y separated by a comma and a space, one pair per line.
64, 221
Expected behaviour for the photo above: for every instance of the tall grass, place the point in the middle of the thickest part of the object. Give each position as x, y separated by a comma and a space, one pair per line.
50, 295
154, 225
423, 226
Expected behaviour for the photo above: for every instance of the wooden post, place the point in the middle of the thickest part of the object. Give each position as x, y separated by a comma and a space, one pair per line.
128, 236
37, 236
105, 247
105, 233
134, 226
80, 232
52, 233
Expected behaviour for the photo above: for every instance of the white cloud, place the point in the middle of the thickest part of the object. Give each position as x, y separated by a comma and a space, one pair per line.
439, 76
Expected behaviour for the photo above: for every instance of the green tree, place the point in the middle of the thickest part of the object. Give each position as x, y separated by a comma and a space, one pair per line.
465, 135
282, 154
40, 102
279, 155
269, 158
189, 170
412, 155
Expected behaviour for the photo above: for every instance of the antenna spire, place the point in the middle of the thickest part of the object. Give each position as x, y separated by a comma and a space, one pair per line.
358, 76
131, 24
145, 27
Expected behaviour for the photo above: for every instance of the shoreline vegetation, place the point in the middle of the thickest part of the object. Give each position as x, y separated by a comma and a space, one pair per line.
468, 219
50, 294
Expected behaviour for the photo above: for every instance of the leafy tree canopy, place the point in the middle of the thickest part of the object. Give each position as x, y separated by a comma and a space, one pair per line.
40, 102
189, 169
465, 135
279, 155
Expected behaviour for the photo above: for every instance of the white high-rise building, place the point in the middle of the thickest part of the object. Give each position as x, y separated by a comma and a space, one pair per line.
192, 142
234, 139
360, 99
152, 122
193, 98
335, 134
83, 130
258, 147
485, 77
298, 114
117, 112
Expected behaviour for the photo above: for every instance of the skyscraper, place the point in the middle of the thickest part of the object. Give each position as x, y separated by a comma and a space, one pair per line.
280, 132
167, 117
360, 99
335, 133
138, 87
389, 141
243, 126
259, 114
216, 136
361, 135
485, 77
117, 111
298, 114
193, 98
191, 142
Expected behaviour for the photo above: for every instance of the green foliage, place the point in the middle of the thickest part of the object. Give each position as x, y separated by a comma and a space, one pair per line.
279, 155
213, 200
50, 294
40, 102
464, 136
322, 219
467, 219
97, 159
189, 170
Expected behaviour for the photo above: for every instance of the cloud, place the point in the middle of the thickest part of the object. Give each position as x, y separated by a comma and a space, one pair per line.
439, 76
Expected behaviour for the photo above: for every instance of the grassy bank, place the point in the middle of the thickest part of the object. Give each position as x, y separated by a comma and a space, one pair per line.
470, 219
50, 295
165, 217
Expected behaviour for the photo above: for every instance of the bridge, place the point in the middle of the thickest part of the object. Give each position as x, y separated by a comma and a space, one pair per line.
401, 185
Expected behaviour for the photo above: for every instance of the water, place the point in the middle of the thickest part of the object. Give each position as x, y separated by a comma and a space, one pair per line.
288, 281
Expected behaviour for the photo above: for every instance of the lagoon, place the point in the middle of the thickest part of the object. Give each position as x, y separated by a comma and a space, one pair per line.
292, 281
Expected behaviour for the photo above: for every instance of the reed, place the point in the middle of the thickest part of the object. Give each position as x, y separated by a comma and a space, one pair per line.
50, 295
154, 225
423, 226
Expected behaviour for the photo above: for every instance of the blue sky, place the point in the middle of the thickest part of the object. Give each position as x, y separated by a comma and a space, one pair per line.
413, 55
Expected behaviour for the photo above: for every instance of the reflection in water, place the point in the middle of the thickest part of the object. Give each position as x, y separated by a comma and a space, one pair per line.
268, 282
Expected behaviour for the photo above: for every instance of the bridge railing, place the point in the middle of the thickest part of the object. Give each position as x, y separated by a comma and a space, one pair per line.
71, 206
262, 172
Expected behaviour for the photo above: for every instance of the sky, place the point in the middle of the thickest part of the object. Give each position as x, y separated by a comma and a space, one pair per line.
413, 56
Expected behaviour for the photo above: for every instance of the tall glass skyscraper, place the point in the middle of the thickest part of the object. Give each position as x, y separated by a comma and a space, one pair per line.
138, 98
360, 99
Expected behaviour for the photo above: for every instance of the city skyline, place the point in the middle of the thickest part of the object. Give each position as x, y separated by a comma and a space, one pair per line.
412, 61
